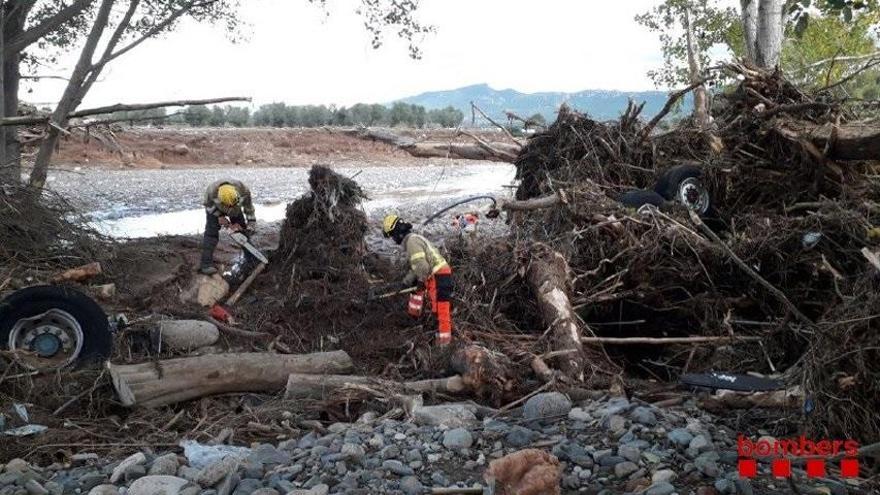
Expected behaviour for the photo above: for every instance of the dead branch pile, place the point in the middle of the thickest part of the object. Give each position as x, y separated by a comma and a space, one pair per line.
42, 232
795, 208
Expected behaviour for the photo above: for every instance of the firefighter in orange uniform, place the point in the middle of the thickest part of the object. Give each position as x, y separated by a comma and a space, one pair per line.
427, 267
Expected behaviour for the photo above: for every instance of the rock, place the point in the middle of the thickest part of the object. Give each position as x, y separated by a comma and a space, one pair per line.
398, 468
180, 149
664, 476
185, 335
216, 471
615, 423
706, 463
706, 490
624, 469
152, 485
410, 485
205, 290
725, 486
578, 414
390, 452
191, 490
680, 436
700, 444
320, 489
267, 454
545, 405
34, 487
84, 458
265, 491
230, 481
165, 465
17, 466
526, 471
104, 490
519, 437
611, 460
353, 452
188, 473
629, 453
458, 438
132, 460
134, 472
247, 486
644, 416
662, 488
449, 415
91, 480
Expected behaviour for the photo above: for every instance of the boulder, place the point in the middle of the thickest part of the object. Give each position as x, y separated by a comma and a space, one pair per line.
449, 415
185, 335
151, 485
546, 405
132, 460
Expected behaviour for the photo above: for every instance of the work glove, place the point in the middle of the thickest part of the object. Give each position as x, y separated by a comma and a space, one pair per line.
410, 280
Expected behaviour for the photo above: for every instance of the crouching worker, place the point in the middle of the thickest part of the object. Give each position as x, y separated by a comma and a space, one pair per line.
227, 204
428, 268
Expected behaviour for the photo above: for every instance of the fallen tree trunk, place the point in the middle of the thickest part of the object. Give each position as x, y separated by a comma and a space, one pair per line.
665, 340
79, 273
547, 275
480, 150
306, 386
855, 141
177, 380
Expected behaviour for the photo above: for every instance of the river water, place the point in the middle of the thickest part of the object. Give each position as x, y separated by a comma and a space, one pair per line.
147, 203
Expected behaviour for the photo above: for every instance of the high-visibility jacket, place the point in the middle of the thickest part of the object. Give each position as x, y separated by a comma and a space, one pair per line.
244, 208
424, 259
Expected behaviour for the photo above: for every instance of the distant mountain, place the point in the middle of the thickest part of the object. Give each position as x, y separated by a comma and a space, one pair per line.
599, 104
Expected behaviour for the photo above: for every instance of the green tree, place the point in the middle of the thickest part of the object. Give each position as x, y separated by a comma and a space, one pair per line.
218, 117
238, 116
400, 114
197, 115
379, 115
446, 117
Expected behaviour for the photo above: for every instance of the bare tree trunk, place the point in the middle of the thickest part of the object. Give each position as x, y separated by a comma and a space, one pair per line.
14, 24
750, 27
72, 97
701, 99
547, 275
768, 42
5, 176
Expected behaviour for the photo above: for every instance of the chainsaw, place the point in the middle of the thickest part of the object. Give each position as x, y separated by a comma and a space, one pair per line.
242, 240
389, 290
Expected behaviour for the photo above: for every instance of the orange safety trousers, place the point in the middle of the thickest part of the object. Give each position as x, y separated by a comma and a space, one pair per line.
439, 287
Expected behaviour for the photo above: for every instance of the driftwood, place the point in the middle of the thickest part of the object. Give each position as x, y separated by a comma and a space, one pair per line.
541, 203
547, 274
854, 141
724, 400
119, 107
245, 285
665, 340
306, 386
177, 380
79, 273
480, 150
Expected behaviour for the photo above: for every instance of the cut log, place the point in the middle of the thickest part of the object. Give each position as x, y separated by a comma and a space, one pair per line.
547, 274
79, 273
308, 386
177, 380
849, 142
486, 373
479, 150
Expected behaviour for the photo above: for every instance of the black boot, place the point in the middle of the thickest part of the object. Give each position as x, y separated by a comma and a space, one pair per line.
206, 266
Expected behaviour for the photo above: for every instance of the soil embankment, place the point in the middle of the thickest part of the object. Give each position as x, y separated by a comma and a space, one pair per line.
147, 147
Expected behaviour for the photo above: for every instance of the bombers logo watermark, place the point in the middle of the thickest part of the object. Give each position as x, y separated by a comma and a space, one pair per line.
816, 454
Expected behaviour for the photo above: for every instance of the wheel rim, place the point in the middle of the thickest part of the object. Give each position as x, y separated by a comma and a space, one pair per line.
52, 339
692, 194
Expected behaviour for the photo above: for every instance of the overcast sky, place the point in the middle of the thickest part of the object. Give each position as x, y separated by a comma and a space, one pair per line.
293, 53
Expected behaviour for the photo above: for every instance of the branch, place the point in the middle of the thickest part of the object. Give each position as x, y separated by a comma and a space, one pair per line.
155, 30
750, 271
95, 70
664, 340
674, 97
533, 204
33, 34
496, 124
504, 155
119, 107
852, 58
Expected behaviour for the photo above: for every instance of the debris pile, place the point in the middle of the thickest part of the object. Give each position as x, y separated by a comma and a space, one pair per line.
783, 252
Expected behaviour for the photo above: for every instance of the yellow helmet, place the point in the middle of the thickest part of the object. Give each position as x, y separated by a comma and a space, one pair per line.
228, 195
389, 223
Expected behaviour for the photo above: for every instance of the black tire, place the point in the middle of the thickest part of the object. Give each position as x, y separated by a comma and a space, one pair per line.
669, 180
639, 197
97, 341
